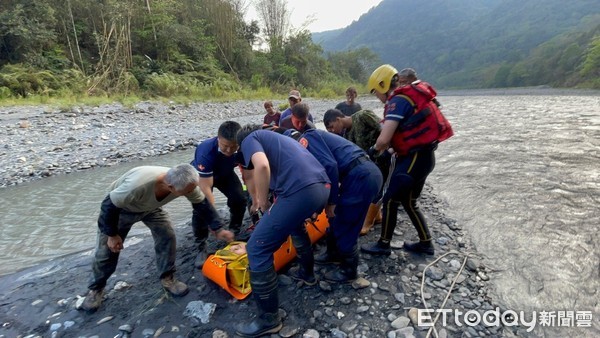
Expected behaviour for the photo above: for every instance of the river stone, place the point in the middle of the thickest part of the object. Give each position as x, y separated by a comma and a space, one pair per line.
434, 273
349, 326
483, 276
311, 333
362, 309
126, 328
413, 315
200, 310
289, 331
406, 332
336, 333
360, 283
400, 322
472, 265
219, 334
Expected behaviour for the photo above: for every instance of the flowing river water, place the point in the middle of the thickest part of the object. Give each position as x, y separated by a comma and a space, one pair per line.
521, 175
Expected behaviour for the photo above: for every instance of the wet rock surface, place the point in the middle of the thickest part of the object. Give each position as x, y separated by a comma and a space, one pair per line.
384, 302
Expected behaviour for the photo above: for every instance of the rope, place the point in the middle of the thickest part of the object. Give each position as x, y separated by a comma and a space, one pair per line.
466, 255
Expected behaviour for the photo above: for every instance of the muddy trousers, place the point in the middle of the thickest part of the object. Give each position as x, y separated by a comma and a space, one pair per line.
406, 184
105, 261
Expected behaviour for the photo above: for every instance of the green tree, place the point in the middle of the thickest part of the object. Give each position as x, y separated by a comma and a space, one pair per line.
275, 19
26, 31
591, 65
354, 65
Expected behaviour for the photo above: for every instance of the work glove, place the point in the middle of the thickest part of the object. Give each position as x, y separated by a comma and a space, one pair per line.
373, 153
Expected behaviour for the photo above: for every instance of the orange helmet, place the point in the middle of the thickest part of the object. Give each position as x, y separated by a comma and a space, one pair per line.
381, 79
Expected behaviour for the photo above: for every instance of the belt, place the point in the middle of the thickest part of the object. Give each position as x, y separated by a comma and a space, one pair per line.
357, 161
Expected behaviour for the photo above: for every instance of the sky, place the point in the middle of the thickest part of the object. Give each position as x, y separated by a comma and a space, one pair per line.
327, 14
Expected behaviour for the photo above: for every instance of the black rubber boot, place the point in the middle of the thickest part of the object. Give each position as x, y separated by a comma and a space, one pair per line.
330, 256
298, 273
347, 271
305, 259
422, 247
378, 248
264, 287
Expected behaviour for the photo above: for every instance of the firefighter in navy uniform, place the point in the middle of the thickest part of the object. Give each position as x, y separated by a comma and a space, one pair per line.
355, 184
413, 126
300, 186
215, 162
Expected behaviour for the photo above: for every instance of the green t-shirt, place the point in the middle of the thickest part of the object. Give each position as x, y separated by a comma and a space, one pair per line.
134, 191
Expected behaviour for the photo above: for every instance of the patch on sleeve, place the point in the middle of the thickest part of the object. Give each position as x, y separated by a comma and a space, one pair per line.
201, 167
304, 142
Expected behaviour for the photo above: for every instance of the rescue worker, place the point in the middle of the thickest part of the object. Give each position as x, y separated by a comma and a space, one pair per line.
355, 183
215, 162
137, 196
301, 188
413, 126
362, 128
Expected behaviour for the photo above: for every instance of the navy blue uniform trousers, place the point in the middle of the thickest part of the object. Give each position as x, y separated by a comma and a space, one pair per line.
358, 190
285, 217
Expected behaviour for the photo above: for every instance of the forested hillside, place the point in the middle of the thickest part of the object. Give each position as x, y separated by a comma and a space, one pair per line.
482, 43
193, 48
206, 49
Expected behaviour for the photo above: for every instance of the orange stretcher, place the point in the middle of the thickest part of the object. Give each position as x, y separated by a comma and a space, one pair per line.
215, 268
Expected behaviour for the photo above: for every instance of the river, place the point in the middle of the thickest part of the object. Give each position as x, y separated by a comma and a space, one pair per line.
521, 175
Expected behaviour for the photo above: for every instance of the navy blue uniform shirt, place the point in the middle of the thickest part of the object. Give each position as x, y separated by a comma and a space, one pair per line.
335, 153
210, 162
398, 108
292, 166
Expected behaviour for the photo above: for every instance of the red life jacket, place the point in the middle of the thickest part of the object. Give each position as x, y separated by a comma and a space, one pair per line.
426, 126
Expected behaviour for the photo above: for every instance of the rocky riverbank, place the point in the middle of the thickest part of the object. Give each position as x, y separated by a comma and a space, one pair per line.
384, 302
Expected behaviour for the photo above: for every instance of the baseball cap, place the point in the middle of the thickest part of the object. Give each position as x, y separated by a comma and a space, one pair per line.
294, 94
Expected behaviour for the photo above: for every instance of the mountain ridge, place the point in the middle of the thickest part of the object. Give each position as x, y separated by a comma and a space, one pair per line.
468, 39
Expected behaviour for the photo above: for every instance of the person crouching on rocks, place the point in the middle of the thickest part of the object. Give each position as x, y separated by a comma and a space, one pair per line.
215, 162
300, 188
136, 196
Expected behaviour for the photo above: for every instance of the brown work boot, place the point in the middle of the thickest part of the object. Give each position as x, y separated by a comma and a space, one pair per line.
92, 300
173, 286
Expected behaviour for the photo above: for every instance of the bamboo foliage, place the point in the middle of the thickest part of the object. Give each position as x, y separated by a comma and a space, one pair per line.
115, 53
75, 38
275, 18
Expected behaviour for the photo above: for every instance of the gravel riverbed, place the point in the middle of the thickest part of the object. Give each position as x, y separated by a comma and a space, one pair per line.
40, 302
